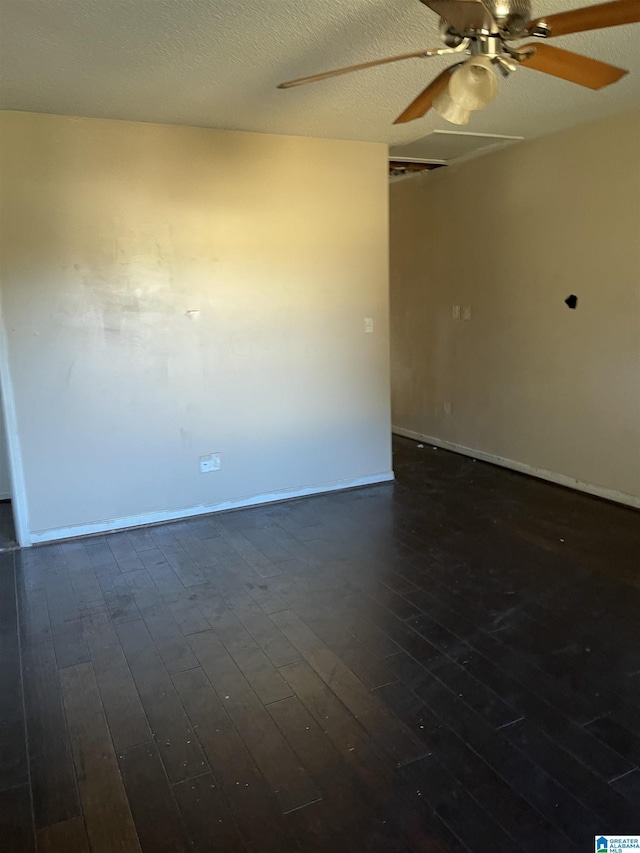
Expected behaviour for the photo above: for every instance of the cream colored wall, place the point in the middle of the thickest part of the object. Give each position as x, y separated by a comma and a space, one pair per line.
513, 234
171, 292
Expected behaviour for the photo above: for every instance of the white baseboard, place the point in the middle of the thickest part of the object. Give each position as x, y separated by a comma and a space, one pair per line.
56, 534
523, 468
5, 496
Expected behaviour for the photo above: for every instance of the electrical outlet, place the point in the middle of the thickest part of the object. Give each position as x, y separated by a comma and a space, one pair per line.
212, 462
447, 407
368, 325
455, 313
466, 312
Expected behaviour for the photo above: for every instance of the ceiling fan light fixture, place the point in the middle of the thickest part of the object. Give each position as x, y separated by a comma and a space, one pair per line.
474, 85
485, 28
450, 110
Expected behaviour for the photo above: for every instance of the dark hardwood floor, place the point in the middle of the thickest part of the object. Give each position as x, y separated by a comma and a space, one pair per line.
450, 663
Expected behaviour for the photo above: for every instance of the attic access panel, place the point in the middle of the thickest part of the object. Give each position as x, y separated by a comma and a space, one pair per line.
447, 146
408, 167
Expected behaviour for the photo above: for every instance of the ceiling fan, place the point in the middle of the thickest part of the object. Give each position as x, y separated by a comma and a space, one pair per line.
485, 29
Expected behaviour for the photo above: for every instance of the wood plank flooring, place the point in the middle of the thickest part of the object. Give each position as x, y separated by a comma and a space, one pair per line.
449, 663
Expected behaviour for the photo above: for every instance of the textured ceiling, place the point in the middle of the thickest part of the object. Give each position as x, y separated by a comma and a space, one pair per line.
216, 63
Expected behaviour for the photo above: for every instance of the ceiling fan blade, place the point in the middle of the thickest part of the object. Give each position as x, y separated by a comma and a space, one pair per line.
590, 18
423, 103
571, 66
325, 75
464, 14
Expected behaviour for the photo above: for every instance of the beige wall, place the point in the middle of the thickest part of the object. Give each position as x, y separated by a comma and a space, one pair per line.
113, 232
513, 234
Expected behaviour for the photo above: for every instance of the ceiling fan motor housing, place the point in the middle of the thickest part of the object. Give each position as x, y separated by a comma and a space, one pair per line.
511, 15
466, 18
